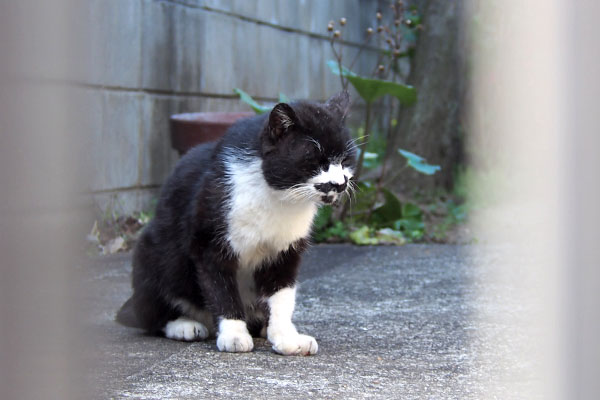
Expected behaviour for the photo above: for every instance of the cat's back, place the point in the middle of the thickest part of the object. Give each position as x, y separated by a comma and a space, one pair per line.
202, 165
205, 157
191, 167
243, 135
178, 191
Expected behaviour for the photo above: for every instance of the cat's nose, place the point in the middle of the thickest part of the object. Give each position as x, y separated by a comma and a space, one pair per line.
339, 187
332, 186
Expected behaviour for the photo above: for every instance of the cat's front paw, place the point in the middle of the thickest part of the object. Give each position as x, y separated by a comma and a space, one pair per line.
297, 344
234, 337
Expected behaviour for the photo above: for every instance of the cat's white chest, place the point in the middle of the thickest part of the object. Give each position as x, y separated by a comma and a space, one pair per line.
260, 223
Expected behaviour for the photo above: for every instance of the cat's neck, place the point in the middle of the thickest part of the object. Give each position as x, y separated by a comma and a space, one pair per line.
262, 221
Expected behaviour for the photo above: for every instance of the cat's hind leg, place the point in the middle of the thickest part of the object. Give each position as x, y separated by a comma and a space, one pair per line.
194, 323
217, 278
186, 329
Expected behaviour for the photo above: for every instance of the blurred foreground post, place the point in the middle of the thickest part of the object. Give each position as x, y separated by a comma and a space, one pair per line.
581, 192
40, 204
535, 121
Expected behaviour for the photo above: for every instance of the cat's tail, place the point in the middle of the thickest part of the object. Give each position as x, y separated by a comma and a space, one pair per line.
126, 315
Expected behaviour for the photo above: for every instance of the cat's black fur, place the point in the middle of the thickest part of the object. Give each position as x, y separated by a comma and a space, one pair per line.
184, 253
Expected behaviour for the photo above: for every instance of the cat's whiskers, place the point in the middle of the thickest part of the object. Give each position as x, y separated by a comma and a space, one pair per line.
353, 144
351, 141
297, 191
352, 186
300, 192
350, 191
351, 147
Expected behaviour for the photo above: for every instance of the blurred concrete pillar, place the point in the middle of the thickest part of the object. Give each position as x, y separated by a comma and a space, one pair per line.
581, 191
536, 114
41, 206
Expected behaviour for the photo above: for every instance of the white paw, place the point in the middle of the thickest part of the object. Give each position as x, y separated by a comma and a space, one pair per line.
295, 345
234, 337
185, 329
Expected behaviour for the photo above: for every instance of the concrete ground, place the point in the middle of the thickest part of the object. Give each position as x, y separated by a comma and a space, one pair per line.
411, 322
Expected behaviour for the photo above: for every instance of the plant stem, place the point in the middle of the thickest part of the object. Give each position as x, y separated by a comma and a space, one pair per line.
392, 131
338, 58
362, 147
396, 175
361, 48
365, 140
386, 157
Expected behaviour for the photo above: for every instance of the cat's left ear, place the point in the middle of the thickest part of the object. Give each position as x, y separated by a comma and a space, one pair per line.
282, 118
339, 104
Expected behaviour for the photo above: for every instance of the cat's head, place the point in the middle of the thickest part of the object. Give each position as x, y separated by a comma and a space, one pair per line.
307, 151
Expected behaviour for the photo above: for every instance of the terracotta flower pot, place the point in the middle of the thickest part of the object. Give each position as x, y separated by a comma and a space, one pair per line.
191, 129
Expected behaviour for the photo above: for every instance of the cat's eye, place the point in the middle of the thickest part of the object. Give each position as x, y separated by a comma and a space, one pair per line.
347, 161
324, 162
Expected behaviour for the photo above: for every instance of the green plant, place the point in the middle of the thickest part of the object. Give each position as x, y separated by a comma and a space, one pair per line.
455, 214
325, 230
482, 186
389, 221
114, 231
396, 40
376, 214
418, 163
256, 107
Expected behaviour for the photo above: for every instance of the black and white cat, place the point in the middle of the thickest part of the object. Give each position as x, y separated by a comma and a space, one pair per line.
222, 253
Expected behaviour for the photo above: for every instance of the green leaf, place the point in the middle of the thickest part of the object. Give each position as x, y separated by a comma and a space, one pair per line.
362, 236
371, 160
389, 236
419, 163
403, 54
409, 224
371, 89
413, 228
371, 156
335, 68
423, 168
365, 196
390, 211
459, 213
414, 17
284, 99
322, 218
246, 98
338, 230
410, 210
410, 156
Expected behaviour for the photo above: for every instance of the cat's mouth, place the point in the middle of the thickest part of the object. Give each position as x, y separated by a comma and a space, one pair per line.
329, 199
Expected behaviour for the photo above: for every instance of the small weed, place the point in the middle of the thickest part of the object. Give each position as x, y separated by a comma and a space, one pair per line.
372, 220
114, 232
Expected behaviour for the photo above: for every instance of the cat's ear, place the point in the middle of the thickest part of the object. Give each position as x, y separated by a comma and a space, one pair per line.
282, 118
339, 104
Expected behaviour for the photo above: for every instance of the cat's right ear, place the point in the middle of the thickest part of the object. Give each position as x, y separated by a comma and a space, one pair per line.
282, 118
339, 104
